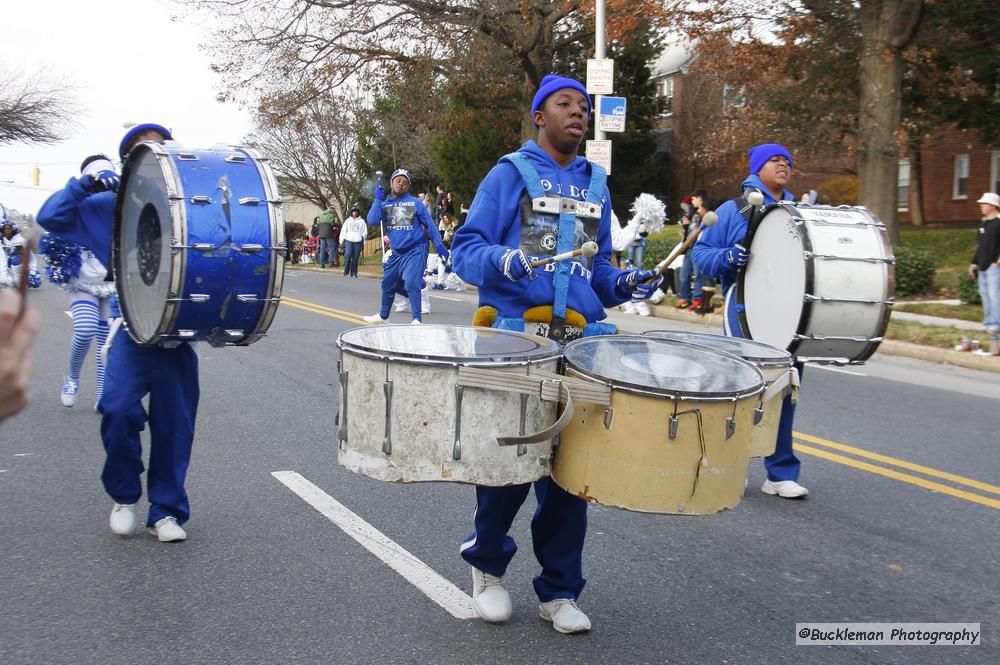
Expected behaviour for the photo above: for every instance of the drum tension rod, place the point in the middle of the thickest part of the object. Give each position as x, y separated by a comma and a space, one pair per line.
731, 422
522, 449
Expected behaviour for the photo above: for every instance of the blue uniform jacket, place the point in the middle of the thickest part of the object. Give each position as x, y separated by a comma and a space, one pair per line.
709, 252
404, 220
494, 224
84, 218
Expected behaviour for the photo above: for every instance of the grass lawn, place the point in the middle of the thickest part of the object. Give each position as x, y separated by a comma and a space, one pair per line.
951, 250
940, 336
964, 312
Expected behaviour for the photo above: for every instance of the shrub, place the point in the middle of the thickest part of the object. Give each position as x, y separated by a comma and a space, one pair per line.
839, 191
914, 271
968, 289
658, 246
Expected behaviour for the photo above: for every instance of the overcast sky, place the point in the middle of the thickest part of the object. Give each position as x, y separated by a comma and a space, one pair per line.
130, 62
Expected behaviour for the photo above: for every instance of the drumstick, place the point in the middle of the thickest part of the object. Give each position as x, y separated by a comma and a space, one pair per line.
588, 249
709, 219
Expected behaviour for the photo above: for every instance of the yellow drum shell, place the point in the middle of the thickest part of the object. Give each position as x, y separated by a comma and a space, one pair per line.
765, 433
634, 464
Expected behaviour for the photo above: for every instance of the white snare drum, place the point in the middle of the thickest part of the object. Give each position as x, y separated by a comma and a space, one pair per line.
779, 373
819, 282
405, 416
676, 435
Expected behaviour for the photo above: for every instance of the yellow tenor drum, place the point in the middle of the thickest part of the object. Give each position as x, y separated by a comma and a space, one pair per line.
676, 435
779, 372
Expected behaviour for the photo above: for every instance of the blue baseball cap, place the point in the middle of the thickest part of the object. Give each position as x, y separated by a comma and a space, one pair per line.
552, 83
760, 154
139, 129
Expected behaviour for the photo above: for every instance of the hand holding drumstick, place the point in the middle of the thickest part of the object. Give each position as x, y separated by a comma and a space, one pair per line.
588, 249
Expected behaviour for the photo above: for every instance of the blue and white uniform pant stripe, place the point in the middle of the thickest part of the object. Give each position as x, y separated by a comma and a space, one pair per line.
90, 322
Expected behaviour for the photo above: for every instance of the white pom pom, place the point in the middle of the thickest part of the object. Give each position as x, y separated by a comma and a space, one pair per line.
649, 210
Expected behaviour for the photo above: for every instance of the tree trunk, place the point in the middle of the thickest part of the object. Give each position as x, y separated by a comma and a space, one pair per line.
887, 26
916, 194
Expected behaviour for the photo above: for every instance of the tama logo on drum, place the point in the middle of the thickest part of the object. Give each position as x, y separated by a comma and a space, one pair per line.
844, 240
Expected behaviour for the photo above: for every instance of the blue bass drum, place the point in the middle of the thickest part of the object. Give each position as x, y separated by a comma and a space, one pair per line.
199, 246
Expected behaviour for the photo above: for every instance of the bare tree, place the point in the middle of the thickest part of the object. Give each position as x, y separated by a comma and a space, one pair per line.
306, 48
313, 151
36, 108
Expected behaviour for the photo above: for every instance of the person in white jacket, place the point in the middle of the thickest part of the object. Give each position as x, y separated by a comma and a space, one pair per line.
352, 239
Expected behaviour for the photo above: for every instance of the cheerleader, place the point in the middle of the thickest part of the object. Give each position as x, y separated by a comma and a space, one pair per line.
12, 241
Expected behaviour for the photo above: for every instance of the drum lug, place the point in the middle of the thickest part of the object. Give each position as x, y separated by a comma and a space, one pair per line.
387, 440
253, 297
248, 201
456, 451
201, 200
522, 449
672, 426
731, 426
342, 434
609, 417
236, 159
187, 157
198, 246
252, 248
758, 415
194, 297
235, 332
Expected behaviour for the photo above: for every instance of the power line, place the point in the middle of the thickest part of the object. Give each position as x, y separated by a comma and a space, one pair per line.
37, 189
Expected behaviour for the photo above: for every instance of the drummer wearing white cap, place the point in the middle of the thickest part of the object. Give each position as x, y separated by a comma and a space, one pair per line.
720, 253
985, 265
83, 212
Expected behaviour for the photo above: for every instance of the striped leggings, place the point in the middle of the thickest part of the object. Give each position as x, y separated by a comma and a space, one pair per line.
90, 321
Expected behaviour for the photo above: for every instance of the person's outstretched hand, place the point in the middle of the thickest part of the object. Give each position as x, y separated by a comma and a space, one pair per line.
16, 338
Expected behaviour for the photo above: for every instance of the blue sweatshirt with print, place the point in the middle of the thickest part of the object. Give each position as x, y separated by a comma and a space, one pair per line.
404, 219
496, 222
709, 252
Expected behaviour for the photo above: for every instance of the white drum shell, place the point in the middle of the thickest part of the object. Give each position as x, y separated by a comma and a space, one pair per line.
422, 425
817, 274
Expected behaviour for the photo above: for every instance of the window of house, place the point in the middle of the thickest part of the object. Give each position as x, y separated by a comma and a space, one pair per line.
666, 92
903, 185
733, 97
960, 179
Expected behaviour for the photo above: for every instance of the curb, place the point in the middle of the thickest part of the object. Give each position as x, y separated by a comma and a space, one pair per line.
888, 347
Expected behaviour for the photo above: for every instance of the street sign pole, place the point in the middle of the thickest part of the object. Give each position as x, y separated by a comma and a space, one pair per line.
599, 53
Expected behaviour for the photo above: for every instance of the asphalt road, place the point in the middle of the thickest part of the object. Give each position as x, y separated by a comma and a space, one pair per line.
901, 458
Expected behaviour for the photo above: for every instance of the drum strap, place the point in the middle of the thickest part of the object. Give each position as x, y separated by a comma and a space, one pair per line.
567, 231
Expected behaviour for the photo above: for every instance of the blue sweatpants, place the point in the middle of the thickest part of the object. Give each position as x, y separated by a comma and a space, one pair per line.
406, 270
170, 378
783, 464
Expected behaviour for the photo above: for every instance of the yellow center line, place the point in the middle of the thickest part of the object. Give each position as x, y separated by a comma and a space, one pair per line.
910, 466
902, 477
350, 318
331, 310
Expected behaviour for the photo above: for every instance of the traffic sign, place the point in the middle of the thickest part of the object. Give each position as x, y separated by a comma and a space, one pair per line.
600, 77
611, 114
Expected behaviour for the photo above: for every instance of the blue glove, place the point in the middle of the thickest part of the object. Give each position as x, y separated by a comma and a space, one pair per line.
379, 193
104, 181
514, 265
34, 280
443, 254
737, 256
632, 281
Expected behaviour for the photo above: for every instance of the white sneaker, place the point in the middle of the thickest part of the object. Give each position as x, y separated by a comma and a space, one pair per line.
641, 308
425, 300
167, 530
122, 518
565, 616
374, 318
786, 489
69, 391
628, 307
490, 597
657, 297
400, 303
416, 322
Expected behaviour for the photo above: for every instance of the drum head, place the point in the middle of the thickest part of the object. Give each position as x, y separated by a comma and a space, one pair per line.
144, 236
456, 345
758, 353
662, 367
774, 281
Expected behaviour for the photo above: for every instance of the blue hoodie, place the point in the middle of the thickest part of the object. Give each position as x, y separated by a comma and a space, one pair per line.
405, 219
81, 217
495, 223
709, 252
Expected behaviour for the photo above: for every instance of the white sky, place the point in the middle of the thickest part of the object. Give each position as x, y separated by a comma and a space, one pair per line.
130, 62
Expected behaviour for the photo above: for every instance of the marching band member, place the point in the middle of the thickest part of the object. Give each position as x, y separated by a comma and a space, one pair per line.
408, 225
83, 212
84, 277
720, 253
516, 217
12, 241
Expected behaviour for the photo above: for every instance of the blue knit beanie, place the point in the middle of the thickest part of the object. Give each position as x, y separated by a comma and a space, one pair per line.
759, 154
552, 83
400, 172
138, 129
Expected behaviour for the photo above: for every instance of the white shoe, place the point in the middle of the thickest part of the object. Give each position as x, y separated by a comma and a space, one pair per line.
122, 518
657, 297
69, 391
425, 300
400, 303
490, 597
416, 322
641, 308
374, 318
786, 489
628, 307
565, 616
167, 530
